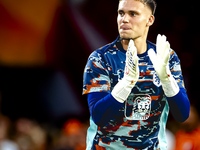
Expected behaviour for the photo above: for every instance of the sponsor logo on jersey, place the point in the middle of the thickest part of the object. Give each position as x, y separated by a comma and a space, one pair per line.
138, 107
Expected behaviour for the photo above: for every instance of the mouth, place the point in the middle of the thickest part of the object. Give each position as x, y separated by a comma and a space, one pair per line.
124, 27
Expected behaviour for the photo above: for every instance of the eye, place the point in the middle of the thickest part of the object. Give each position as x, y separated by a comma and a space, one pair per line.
121, 13
132, 13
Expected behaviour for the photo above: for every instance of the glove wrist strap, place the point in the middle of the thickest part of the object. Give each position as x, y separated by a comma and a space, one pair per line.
170, 87
122, 90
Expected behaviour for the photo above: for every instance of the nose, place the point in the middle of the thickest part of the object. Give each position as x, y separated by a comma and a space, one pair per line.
125, 18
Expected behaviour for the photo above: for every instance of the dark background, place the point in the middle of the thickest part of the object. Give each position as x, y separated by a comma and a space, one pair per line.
52, 91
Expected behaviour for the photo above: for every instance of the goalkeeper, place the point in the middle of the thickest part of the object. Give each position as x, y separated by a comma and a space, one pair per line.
131, 84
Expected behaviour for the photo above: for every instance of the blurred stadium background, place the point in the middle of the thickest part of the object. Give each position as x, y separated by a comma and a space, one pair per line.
44, 46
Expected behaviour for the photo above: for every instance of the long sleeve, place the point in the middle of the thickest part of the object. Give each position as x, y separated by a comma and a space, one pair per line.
103, 107
179, 105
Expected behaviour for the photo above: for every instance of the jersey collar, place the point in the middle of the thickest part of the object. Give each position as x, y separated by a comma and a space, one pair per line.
117, 42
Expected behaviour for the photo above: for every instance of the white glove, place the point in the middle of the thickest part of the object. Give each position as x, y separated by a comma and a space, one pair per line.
123, 88
161, 65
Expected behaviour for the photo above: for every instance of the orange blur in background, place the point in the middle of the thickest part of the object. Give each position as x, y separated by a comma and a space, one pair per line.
24, 27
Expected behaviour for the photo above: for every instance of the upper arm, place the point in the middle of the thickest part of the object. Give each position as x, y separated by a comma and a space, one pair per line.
175, 68
96, 75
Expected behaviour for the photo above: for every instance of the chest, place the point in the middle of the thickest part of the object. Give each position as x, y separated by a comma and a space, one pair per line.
148, 80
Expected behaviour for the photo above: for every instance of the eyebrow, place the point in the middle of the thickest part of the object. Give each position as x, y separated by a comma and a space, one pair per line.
129, 11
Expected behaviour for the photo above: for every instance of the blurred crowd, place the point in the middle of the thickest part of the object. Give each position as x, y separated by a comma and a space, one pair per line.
184, 136
28, 134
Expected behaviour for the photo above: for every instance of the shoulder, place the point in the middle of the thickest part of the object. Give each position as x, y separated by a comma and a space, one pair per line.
99, 54
102, 50
108, 48
98, 58
153, 46
173, 54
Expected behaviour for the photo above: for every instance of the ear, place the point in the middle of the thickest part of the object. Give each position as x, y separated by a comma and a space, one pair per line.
150, 21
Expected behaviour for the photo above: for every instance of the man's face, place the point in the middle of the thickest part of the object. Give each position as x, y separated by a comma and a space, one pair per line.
134, 19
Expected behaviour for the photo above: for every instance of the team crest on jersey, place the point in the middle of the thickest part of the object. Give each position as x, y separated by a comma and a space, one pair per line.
138, 107
156, 80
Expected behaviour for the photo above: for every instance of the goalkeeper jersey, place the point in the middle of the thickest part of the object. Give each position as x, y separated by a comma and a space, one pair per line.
140, 122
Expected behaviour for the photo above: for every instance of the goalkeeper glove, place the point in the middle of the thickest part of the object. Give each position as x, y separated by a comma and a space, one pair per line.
161, 65
123, 88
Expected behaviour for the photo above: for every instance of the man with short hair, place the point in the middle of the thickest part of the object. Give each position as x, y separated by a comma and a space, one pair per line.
131, 84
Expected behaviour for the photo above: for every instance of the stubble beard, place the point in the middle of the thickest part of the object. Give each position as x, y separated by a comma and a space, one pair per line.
127, 36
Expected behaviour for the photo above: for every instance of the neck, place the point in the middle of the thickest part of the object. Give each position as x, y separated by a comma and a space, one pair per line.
140, 44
